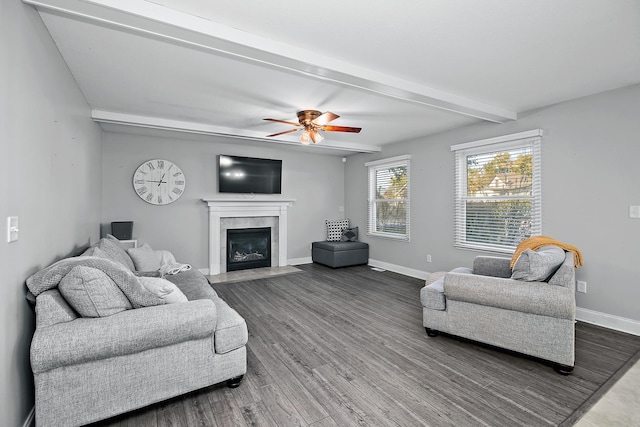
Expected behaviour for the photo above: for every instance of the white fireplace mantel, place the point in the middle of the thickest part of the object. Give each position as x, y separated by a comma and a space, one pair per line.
246, 207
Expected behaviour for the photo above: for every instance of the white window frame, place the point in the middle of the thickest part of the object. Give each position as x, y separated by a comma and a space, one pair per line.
530, 139
372, 168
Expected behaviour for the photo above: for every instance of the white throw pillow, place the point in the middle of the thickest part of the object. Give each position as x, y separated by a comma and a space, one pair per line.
334, 229
163, 289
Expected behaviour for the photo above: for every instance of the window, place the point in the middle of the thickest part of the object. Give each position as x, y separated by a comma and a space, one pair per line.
389, 198
498, 193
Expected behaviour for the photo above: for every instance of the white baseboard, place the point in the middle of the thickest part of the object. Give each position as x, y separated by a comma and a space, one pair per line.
204, 271
609, 321
299, 261
31, 418
400, 269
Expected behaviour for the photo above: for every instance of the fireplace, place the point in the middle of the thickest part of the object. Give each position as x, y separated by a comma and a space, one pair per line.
258, 211
248, 248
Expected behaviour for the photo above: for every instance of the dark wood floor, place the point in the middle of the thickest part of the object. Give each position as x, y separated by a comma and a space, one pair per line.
346, 347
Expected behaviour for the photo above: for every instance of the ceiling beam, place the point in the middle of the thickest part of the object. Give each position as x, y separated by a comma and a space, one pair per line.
155, 21
111, 117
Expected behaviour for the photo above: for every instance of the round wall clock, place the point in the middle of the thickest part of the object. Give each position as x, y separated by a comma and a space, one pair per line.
159, 182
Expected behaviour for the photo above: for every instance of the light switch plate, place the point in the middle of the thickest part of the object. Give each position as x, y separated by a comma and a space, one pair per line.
12, 229
634, 211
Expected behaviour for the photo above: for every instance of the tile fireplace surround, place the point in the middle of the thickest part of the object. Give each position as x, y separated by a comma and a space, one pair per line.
267, 211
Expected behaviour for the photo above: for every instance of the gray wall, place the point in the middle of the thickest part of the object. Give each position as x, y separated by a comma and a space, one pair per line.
50, 177
590, 177
316, 181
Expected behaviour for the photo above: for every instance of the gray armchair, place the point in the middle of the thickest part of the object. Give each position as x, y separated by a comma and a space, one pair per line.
485, 304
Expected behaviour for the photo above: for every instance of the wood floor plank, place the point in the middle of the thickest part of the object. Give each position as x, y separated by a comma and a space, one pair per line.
225, 408
299, 396
198, 411
257, 414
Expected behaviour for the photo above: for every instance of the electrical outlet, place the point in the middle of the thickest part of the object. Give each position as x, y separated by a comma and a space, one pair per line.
582, 286
428, 258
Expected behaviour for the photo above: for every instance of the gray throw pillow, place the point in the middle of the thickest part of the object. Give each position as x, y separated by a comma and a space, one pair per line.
350, 234
115, 251
538, 265
92, 293
144, 258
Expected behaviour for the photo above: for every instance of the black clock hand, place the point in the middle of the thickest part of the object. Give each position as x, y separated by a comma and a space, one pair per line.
160, 182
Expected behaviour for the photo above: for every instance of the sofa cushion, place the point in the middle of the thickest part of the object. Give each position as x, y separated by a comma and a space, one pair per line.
339, 246
538, 265
164, 289
92, 293
334, 229
144, 258
115, 251
432, 294
193, 284
52, 308
350, 234
231, 329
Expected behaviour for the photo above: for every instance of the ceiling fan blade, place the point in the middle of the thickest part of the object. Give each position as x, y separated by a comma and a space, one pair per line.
324, 118
341, 129
282, 133
282, 121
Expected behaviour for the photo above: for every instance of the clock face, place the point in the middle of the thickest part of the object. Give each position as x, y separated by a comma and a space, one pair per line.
159, 182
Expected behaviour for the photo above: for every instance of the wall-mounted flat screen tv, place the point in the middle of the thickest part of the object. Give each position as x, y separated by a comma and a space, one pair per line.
249, 175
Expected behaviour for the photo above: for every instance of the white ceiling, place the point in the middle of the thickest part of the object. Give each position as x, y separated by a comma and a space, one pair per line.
400, 70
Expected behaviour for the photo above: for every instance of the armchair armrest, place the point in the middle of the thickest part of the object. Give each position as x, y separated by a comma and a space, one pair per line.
88, 339
530, 297
492, 266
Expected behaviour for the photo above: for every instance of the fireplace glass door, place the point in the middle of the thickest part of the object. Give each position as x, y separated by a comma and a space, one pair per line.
248, 248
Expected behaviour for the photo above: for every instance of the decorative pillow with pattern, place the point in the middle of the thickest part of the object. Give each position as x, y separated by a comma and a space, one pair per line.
334, 229
350, 234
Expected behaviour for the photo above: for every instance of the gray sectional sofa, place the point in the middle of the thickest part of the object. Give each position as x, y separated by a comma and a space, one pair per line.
95, 354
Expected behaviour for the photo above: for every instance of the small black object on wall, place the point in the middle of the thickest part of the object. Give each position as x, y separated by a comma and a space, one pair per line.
122, 230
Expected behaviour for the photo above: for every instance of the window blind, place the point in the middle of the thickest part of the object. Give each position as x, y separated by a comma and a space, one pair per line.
498, 192
388, 198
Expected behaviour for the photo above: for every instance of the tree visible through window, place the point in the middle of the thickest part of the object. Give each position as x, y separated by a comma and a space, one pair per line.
498, 194
389, 198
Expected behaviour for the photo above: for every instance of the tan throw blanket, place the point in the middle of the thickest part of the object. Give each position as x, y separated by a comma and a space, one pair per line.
536, 242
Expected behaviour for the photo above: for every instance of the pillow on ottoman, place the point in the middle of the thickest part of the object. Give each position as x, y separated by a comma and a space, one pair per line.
350, 234
92, 293
538, 265
334, 229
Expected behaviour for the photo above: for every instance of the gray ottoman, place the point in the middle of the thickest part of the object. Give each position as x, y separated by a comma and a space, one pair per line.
340, 254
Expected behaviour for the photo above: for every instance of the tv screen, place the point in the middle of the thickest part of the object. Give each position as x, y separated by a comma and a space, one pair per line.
249, 175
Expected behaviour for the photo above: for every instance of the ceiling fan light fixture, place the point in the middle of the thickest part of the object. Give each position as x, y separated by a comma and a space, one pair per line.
304, 137
311, 122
